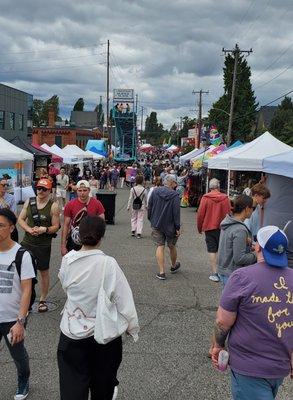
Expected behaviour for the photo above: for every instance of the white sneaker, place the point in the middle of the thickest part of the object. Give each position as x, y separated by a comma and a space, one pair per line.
214, 278
115, 394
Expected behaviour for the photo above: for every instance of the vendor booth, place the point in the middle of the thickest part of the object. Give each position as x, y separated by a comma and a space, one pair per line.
279, 208
17, 163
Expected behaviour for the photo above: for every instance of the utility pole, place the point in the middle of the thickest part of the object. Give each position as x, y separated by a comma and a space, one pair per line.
108, 86
199, 124
236, 53
141, 120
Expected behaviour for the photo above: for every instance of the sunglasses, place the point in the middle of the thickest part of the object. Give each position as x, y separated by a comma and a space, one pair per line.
42, 189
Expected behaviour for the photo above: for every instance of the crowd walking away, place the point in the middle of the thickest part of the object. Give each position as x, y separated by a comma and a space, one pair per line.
247, 265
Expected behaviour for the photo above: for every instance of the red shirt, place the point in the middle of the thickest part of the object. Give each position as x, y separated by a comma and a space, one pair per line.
213, 208
76, 210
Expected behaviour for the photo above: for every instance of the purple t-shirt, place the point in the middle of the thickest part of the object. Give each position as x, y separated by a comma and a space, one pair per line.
261, 340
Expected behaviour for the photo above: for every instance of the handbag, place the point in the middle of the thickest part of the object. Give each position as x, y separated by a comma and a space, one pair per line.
80, 325
109, 323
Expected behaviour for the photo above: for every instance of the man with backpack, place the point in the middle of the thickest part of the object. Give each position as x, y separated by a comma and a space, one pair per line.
137, 202
15, 295
40, 219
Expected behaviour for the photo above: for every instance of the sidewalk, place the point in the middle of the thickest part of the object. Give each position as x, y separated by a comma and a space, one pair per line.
176, 317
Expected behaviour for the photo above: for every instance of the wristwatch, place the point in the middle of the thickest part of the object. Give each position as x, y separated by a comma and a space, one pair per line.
21, 320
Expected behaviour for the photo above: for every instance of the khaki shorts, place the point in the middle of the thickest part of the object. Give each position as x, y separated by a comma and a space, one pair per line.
160, 238
61, 193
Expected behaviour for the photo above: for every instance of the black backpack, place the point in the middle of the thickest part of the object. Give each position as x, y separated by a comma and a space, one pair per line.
17, 264
137, 202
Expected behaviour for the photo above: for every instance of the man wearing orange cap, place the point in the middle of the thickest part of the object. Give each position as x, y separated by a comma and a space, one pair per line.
40, 219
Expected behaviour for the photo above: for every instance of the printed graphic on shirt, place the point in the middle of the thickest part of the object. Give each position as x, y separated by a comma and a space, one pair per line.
6, 279
278, 301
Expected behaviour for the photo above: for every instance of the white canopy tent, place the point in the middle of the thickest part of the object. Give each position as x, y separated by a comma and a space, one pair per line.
95, 156
251, 158
281, 164
12, 153
193, 153
67, 158
75, 151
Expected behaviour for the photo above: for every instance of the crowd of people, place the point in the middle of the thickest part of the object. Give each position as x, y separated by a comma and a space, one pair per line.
253, 319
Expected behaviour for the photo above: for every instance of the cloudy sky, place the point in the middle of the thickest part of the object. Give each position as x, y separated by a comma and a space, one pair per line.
162, 49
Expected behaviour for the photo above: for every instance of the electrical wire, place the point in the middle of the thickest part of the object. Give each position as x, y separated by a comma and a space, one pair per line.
275, 77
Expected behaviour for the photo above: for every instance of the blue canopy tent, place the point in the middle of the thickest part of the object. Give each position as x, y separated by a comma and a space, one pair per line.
97, 146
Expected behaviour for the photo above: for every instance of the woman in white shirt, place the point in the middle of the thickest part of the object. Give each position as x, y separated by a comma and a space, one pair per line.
85, 365
137, 203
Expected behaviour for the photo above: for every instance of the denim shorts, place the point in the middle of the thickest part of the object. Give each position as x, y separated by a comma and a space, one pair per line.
250, 388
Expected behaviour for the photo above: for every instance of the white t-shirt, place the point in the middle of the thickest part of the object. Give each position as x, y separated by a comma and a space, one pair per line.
10, 289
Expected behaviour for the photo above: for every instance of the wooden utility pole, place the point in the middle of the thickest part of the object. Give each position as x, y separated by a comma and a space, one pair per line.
236, 53
199, 124
108, 97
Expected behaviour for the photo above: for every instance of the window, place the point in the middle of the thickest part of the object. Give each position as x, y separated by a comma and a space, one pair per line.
12, 120
20, 122
58, 140
2, 119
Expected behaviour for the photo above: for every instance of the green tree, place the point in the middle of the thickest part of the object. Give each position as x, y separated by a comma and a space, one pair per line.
282, 122
53, 102
154, 131
101, 117
38, 107
245, 105
79, 105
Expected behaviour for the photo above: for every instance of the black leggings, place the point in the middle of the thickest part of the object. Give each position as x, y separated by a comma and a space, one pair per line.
86, 366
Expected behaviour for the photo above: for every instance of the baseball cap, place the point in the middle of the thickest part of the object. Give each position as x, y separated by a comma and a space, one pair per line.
274, 244
44, 182
83, 182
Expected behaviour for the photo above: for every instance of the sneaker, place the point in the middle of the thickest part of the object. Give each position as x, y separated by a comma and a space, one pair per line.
132, 233
162, 277
115, 394
22, 391
175, 268
138, 236
214, 278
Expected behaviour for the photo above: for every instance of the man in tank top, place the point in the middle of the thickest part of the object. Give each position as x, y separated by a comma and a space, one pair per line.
40, 222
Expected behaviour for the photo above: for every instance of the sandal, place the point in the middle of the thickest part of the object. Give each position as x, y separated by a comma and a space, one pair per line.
42, 307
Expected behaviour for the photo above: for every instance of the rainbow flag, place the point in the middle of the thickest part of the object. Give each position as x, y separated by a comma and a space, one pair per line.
215, 137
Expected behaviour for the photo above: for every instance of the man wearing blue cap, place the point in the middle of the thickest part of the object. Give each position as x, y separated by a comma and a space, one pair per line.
256, 311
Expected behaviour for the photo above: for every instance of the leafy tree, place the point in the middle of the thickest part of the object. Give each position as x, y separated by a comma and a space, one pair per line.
79, 105
154, 131
101, 117
244, 112
38, 106
282, 122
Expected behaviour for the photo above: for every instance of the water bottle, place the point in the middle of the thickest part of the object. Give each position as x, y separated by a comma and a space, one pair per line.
223, 359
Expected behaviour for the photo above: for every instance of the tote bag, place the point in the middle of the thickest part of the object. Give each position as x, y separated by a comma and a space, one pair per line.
109, 322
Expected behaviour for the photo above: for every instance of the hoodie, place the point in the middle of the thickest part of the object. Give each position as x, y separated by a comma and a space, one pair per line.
213, 208
164, 210
234, 247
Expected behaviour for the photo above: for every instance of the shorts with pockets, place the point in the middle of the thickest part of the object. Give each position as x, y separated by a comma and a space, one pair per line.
160, 238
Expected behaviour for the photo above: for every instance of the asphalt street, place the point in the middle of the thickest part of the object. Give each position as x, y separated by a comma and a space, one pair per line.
176, 317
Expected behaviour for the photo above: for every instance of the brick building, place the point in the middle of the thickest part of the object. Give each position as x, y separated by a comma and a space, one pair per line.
62, 136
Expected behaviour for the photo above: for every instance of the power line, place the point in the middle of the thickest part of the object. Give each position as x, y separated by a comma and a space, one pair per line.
275, 77
53, 50
52, 68
50, 59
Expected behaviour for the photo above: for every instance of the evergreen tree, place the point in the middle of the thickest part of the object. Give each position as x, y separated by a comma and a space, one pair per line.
38, 106
154, 132
101, 117
244, 104
79, 105
282, 122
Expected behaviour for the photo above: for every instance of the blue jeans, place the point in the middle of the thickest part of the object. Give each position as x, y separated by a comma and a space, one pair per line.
223, 280
18, 353
250, 388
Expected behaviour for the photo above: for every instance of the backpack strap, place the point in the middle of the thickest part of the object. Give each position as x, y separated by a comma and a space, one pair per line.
18, 261
34, 211
140, 194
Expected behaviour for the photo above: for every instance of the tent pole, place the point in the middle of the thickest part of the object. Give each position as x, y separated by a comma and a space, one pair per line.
228, 186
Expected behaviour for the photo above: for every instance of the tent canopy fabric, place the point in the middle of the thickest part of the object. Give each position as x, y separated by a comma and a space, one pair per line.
97, 146
249, 156
24, 145
10, 152
75, 151
193, 153
95, 156
281, 164
55, 158
48, 148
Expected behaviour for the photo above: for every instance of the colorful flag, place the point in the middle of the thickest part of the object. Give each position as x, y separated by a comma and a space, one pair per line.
215, 137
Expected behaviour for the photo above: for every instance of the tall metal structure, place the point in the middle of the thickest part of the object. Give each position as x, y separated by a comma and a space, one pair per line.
123, 116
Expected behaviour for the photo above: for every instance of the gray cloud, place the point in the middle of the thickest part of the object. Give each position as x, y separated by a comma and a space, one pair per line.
163, 49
